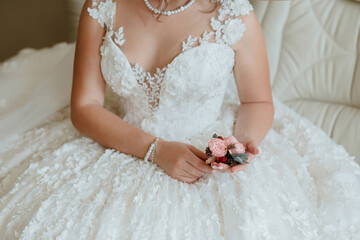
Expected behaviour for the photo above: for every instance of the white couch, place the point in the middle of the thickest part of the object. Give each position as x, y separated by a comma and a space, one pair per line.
313, 48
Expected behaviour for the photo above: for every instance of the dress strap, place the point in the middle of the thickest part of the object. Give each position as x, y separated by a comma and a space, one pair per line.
228, 27
103, 11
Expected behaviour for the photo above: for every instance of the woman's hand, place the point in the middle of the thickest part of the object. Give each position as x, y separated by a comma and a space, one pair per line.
181, 161
250, 148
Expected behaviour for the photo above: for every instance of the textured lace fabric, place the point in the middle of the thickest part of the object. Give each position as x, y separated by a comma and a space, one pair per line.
227, 29
175, 86
58, 184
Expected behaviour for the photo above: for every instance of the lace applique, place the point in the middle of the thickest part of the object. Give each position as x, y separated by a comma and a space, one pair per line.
228, 28
206, 37
190, 41
151, 84
119, 36
103, 11
234, 8
231, 31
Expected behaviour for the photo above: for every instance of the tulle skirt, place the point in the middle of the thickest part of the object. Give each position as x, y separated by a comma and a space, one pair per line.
58, 184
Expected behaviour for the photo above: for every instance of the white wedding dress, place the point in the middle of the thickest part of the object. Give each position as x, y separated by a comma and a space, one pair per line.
58, 184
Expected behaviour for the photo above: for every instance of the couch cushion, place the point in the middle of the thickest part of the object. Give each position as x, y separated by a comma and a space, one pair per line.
314, 48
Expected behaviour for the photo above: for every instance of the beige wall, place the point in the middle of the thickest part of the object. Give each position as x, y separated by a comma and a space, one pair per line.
31, 23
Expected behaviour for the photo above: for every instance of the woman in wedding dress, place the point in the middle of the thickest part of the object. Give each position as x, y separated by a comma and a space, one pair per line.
134, 168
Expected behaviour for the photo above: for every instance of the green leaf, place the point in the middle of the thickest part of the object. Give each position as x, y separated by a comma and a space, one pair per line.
208, 151
215, 135
228, 155
232, 162
240, 157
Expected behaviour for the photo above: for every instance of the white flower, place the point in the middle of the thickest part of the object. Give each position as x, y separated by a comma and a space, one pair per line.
233, 30
240, 7
123, 78
173, 88
103, 12
215, 24
127, 84
94, 13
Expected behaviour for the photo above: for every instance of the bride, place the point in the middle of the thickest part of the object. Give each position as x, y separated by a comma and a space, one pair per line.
149, 53
136, 168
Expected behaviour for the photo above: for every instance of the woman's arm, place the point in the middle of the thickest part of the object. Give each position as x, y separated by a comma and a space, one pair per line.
256, 111
88, 93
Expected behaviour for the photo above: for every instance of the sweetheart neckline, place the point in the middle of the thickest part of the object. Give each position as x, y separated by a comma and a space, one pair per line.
164, 68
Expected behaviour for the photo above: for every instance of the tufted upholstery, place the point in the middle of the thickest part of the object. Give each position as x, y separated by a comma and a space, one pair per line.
313, 48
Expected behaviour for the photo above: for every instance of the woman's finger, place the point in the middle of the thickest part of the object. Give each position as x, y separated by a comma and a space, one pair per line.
186, 179
221, 167
199, 164
250, 157
200, 154
192, 171
241, 167
251, 147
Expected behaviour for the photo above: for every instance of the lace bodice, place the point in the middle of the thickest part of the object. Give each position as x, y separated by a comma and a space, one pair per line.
183, 98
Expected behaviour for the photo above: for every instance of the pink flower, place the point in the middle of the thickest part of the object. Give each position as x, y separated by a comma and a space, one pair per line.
230, 139
239, 148
218, 147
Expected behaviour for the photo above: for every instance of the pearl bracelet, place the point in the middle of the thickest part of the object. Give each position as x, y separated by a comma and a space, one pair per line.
151, 151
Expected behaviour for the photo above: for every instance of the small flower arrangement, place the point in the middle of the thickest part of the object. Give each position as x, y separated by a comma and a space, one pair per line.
228, 151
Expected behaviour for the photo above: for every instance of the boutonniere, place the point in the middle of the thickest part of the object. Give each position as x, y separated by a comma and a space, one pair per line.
226, 150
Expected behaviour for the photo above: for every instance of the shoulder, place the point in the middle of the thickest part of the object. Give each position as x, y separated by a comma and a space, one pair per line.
233, 20
93, 22
241, 23
252, 32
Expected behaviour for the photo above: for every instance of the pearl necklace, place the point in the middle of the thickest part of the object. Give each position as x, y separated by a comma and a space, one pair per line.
171, 12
